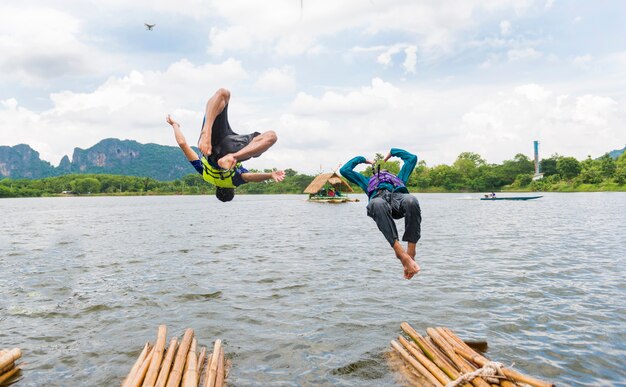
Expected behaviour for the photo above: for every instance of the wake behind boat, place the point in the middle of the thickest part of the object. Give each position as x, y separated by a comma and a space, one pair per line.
511, 198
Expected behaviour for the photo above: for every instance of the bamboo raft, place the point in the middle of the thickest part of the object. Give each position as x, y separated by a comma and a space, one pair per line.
443, 359
178, 365
8, 367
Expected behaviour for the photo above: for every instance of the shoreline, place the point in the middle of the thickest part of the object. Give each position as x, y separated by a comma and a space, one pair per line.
429, 191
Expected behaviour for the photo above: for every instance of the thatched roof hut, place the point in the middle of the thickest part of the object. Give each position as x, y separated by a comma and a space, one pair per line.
331, 178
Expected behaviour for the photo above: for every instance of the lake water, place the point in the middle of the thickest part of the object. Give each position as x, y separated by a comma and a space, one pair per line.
307, 293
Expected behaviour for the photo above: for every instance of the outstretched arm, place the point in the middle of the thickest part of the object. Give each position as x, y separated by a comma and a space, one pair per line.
409, 159
180, 139
348, 172
250, 177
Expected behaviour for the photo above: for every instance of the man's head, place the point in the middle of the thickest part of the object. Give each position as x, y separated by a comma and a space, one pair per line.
225, 194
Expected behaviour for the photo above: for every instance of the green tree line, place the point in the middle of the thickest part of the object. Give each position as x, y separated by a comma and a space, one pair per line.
469, 173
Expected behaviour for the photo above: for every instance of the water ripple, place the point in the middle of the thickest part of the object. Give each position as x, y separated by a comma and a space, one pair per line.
308, 294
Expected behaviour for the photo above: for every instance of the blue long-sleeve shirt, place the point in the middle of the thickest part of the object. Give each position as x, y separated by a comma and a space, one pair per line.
409, 159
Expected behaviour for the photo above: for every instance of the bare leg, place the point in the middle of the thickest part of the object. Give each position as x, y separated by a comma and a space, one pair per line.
257, 146
410, 266
410, 249
214, 107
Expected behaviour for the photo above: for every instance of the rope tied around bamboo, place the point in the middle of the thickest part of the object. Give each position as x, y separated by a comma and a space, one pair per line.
442, 359
491, 372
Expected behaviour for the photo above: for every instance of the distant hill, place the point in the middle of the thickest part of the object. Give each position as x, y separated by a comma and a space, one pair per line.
617, 153
21, 161
110, 156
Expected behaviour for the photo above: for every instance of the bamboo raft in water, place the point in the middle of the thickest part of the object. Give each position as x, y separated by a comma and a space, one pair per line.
8, 367
181, 364
442, 359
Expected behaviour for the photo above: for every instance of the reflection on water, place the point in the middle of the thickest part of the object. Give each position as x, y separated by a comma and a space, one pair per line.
305, 293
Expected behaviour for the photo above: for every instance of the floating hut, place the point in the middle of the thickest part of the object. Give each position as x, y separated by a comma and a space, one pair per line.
182, 363
9, 369
441, 358
329, 188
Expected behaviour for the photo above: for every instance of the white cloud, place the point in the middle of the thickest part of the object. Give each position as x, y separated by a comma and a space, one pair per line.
520, 54
411, 59
95, 79
41, 43
277, 80
594, 111
128, 107
437, 123
282, 25
357, 102
506, 123
505, 27
386, 57
533, 92
233, 38
583, 61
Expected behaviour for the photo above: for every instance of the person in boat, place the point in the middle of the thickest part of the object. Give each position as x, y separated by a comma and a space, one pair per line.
389, 199
493, 195
223, 150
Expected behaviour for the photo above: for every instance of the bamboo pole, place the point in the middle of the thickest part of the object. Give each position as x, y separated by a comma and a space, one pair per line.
138, 362
469, 364
428, 341
8, 375
141, 372
212, 371
157, 356
430, 366
449, 334
449, 351
219, 378
201, 362
452, 342
190, 379
207, 367
432, 355
452, 337
7, 368
416, 365
10, 357
509, 373
181, 357
167, 363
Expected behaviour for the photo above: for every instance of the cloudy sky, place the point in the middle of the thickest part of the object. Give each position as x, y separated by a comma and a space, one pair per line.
334, 79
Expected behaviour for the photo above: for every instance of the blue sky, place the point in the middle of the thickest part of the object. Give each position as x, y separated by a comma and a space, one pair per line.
333, 79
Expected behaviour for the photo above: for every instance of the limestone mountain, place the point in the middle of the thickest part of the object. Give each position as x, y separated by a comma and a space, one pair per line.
109, 156
22, 161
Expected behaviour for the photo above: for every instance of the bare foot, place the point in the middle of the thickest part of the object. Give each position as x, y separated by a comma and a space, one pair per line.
410, 266
227, 162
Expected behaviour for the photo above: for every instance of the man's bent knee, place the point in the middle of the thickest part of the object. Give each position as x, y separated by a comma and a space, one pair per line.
410, 201
222, 94
270, 136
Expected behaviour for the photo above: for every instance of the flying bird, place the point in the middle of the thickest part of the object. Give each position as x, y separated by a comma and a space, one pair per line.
149, 27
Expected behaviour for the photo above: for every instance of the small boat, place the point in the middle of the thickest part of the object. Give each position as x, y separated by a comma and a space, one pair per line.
329, 188
512, 198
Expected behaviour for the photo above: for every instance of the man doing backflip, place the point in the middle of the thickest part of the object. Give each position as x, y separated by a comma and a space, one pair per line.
389, 199
223, 150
